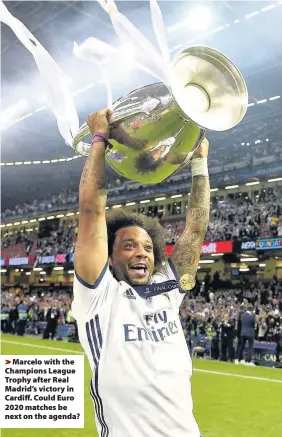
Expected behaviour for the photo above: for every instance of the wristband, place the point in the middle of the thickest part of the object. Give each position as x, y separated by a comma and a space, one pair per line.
199, 167
98, 137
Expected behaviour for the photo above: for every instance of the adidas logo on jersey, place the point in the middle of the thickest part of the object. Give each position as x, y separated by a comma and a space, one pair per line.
129, 294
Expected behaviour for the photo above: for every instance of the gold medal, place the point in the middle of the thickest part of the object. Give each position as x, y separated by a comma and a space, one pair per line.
187, 282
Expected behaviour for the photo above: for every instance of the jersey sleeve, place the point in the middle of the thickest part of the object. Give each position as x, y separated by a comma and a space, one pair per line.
89, 298
168, 273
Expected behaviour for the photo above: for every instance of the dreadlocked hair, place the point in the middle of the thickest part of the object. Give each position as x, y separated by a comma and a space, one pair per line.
120, 219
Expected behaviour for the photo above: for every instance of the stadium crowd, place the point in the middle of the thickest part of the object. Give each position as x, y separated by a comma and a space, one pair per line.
231, 219
62, 200
28, 243
239, 219
214, 314
35, 310
210, 313
231, 158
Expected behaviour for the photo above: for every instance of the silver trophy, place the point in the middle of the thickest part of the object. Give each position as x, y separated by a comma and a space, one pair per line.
155, 130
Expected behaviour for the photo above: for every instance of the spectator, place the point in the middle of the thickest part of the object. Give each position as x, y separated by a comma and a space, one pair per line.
278, 339
22, 317
52, 317
239, 330
247, 334
262, 329
201, 317
227, 330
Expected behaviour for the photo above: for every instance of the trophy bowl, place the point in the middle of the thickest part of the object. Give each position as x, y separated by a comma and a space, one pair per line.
155, 130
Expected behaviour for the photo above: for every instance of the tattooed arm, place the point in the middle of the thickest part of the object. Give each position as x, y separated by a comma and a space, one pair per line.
187, 250
91, 251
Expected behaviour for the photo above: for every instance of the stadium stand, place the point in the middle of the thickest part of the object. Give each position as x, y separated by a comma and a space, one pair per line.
203, 311
29, 244
236, 156
231, 219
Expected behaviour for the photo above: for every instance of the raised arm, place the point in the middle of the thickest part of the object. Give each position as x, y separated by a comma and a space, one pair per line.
91, 251
187, 250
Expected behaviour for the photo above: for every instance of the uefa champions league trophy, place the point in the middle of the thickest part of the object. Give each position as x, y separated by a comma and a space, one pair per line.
206, 92
155, 129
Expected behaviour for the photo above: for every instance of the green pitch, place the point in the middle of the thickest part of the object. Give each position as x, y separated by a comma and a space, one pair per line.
229, 400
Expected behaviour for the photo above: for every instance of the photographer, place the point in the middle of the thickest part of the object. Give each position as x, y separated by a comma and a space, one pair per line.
271, 328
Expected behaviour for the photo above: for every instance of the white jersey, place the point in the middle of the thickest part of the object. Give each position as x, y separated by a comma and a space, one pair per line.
138, 354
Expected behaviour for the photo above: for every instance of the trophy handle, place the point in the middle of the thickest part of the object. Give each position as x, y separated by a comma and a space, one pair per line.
82, 148
119, 115
77, 141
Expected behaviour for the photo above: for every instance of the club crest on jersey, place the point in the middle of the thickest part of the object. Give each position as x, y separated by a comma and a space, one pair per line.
128, 294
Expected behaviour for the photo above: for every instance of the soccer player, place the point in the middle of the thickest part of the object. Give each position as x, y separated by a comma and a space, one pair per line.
126, 303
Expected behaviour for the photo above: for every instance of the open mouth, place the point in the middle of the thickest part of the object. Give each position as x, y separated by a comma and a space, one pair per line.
139, 270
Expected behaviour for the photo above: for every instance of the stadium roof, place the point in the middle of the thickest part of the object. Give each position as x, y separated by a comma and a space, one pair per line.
248, 32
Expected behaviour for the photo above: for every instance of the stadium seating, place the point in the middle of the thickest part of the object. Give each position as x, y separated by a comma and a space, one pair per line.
230, 219
201, 309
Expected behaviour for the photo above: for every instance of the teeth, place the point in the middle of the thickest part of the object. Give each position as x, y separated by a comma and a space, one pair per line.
139, 266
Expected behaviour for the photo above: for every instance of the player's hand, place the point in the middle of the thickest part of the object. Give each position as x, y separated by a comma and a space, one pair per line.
203, 150
99, 122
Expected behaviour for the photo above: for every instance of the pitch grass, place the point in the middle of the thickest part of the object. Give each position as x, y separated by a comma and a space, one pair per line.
224, 405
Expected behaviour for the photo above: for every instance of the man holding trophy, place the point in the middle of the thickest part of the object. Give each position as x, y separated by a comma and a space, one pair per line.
126, 294
126, 302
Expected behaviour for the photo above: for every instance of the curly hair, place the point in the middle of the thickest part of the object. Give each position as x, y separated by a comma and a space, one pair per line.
120, 219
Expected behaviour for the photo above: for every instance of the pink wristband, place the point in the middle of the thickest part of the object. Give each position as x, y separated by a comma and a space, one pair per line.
99, 136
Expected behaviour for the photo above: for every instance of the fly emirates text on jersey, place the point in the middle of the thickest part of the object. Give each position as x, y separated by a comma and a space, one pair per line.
151, 332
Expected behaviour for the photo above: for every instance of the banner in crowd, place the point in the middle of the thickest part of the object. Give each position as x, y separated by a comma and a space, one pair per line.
269, 243
209, 247
239, 246
19, 261
60, 258
47, 259
264, 354
217, 247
